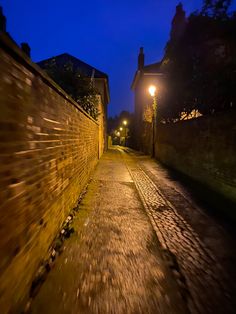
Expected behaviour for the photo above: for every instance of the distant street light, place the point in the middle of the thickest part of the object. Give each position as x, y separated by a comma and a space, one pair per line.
152, 92
125, 124
121, 129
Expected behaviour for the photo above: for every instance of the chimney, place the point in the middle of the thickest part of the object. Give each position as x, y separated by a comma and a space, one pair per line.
178, 23
3, 21
141, 59
26, 49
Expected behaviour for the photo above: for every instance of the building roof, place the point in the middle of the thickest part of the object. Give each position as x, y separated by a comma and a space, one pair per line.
77, 65
153, 69
85, 69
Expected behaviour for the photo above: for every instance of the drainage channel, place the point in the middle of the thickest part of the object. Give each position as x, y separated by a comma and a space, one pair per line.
200, 277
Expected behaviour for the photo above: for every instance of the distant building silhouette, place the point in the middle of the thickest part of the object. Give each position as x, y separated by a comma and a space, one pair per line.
99, 78
145, 76
179, 23
152, 74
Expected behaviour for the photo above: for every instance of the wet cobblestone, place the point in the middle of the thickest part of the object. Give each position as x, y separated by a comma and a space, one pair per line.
206, 282
113, 263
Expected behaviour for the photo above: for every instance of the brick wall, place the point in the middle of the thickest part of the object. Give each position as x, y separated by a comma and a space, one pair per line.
48, 148
204, 149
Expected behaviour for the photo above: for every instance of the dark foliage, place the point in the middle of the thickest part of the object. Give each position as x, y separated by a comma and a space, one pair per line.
217, 9
76, 85
200, 67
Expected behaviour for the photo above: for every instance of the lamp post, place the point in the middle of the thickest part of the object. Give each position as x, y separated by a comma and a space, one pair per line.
121, 129
152, 91
125, 124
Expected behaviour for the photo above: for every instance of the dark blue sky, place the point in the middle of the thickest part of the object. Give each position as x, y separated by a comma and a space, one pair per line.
106, 34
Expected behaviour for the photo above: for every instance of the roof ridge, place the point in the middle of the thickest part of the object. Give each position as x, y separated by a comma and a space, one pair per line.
77, 60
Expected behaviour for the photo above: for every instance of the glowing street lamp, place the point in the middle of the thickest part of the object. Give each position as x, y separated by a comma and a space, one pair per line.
152, 91
125, 124
121, 129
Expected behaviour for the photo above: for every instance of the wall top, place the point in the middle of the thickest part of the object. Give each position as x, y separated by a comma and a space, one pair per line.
7, 44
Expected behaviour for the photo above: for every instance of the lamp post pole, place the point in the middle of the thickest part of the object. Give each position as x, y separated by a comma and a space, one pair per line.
152, 91
154, 125
125, 136
125, 124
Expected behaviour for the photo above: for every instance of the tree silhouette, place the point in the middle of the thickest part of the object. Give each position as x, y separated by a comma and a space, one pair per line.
216, 8
76, 85
200, 67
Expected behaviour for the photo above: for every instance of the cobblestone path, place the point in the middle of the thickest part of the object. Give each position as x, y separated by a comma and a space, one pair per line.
113, 263
205, 276
141, 245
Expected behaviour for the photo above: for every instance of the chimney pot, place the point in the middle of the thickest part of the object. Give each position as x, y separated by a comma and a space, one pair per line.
26, 49
3, 21
141, 59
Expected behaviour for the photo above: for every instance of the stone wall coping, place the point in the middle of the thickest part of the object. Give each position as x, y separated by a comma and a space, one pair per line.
11, 48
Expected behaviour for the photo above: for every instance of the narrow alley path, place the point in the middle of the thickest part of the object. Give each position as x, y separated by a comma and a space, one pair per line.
141, 245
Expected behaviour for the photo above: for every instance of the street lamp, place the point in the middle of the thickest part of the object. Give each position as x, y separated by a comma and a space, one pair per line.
152, 92
125, 124
121, 129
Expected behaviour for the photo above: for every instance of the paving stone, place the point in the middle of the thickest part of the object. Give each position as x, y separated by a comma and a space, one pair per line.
114, 263
208, 279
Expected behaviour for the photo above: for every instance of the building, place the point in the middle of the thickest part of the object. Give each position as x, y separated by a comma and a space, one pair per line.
152, 74
145, 76
95, 77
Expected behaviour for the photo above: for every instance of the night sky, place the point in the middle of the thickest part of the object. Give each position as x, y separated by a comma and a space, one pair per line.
106, 34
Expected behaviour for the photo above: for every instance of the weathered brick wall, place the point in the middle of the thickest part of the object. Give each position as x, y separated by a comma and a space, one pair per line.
48, 148
204, 149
